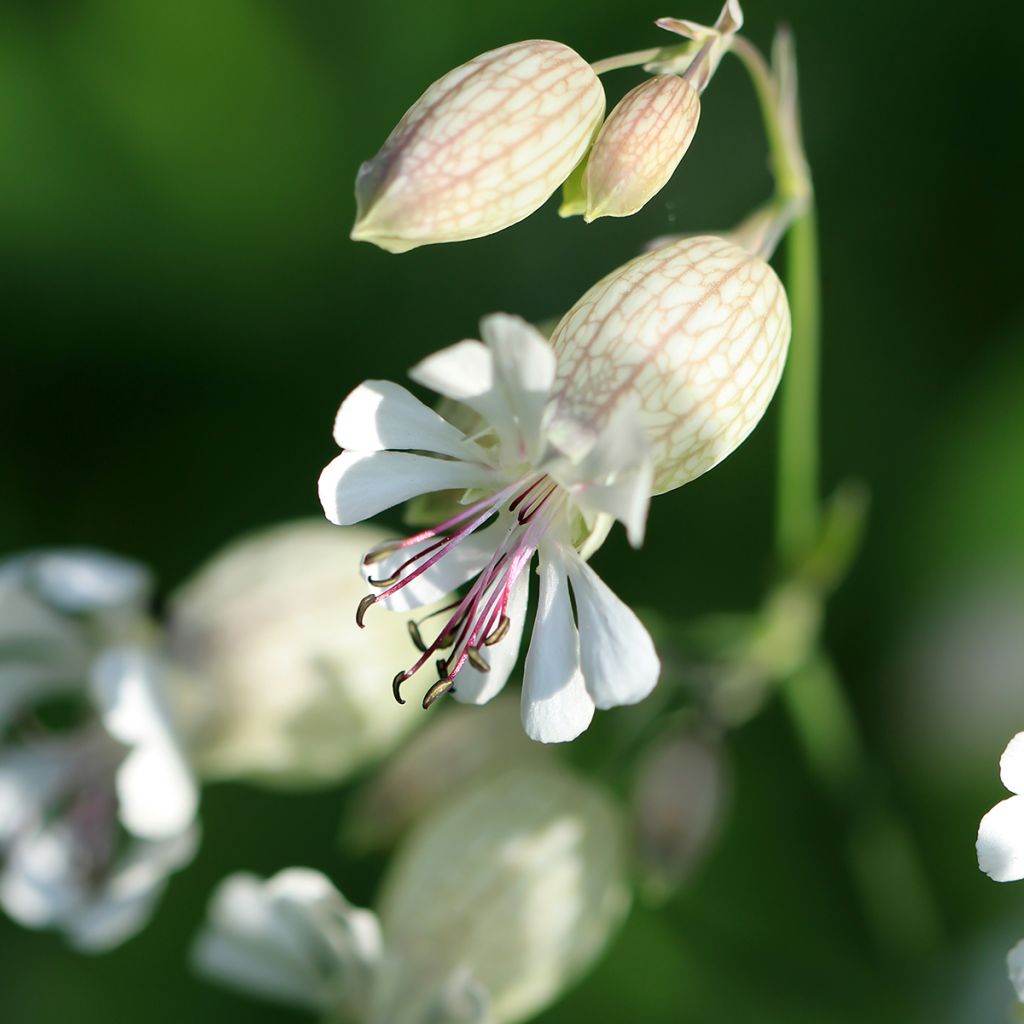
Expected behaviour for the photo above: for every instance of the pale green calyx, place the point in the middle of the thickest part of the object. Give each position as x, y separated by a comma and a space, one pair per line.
481, 149
692, 335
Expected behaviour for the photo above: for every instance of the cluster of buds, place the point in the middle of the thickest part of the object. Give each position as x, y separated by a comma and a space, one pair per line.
488, 143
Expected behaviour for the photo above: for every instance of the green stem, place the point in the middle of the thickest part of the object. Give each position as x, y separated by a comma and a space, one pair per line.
884, 863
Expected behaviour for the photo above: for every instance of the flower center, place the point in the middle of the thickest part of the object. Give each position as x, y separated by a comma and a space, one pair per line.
479, 619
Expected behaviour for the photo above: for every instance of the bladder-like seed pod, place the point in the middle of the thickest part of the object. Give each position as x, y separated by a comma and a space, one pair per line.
640, 146
694, 334
482, 148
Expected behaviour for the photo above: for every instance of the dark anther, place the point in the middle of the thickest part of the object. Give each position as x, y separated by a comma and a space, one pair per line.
477, 660
390, 581
373, 557
498, 632
442, 668
396, 686
363, 605
414, 632
439, 689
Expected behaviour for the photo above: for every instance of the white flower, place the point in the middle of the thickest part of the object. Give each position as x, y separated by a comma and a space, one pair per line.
1001, 833
93, 817
294, 939
542, 502
1001, 841
501, 899
286, 687
653, 377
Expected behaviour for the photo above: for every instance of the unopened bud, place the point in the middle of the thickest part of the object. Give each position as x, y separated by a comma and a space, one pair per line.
518, 884
694, 333
481, 149
678, 800
640, 146
291, 687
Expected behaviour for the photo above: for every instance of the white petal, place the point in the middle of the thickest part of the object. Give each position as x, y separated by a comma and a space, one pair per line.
474, 687
357, 485
452, 570
556, 705
293, 938
1015, 965
39, 885
1011, 764
620, 665
1001, 841
525, 369
30, 778
157, 795
123, 905
465, 372
380, 416
86, 581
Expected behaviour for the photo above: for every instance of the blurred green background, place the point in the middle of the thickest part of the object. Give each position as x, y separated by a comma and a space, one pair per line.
183, 312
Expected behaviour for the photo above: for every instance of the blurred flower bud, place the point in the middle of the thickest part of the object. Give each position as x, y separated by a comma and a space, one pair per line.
678, 802
695, 334
517, 885
458, 748
640, 146
481, 149
291, 687
293, 939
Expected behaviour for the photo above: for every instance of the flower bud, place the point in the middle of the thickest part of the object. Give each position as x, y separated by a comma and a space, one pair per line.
481, 149
640, 146
678, 800
290, 686
516, 885
694, 334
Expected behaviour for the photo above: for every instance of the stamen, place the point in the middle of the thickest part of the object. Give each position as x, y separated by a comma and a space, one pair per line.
439, 689
477, 660
417, 639
396, 686
378, 554
504, 623
364, 605
384, 584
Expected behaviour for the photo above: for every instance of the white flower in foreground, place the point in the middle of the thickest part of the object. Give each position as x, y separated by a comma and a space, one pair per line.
1001, 833
497, 903
95, 816
482, 148
287, 687
542, 502
653, 377
292, 938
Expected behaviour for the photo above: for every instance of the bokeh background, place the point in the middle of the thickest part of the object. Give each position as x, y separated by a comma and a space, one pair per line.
183, 311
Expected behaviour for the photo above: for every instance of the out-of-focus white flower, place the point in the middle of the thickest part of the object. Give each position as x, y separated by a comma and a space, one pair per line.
652, 378
544, 502
518, 883
677, 802
496, 904
289, 687
482, 148
1001, 833
1001, 841
460, 748
292, 938
1015, 965
93, 817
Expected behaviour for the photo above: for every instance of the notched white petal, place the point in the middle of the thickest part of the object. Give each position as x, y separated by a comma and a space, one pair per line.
1001, 841
1011, 764
357, 485
382, 416
556, 705
617, 655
